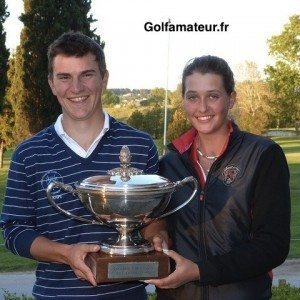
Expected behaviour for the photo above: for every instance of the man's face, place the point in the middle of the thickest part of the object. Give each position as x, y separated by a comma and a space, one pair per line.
78, 86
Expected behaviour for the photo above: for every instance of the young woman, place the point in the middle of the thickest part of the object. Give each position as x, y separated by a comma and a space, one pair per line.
237, 228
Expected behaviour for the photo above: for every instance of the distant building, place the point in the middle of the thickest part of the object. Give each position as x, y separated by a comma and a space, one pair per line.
127, 95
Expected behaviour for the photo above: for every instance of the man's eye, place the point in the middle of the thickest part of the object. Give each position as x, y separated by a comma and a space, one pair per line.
63, 77
87, 75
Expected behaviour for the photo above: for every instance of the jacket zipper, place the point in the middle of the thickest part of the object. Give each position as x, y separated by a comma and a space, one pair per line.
202, 231
205, 289
202, 243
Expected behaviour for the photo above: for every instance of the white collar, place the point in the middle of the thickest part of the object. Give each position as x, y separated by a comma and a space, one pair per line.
72, 144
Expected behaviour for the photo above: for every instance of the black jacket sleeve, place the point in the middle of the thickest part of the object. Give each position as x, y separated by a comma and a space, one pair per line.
270, 234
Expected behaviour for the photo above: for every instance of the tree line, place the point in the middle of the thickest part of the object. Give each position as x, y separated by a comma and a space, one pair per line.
27, 104
26, 101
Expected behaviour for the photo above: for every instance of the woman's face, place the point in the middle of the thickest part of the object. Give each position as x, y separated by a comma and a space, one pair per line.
207, 103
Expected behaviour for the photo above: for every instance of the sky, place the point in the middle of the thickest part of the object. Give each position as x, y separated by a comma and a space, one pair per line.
137, 58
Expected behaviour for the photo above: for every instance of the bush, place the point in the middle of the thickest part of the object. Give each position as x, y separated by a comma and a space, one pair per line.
285, 292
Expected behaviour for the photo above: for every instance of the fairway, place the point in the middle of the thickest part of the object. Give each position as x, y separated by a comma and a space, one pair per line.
291, 147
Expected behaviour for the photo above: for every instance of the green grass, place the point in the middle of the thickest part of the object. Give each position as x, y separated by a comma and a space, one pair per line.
291, 147
285, 292
282, 292
13, 296
3, 174
8, 261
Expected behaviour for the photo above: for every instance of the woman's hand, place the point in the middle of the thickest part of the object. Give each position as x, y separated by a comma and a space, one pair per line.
159, 242
185, 271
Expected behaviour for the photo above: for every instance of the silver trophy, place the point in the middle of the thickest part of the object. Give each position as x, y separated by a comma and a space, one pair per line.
126, 200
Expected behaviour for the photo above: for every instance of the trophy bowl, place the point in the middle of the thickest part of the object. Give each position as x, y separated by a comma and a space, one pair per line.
125, 206
125, 200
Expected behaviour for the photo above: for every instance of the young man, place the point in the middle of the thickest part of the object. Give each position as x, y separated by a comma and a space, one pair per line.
84, 141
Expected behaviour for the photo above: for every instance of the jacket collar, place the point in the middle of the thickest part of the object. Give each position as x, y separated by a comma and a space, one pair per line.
184, 142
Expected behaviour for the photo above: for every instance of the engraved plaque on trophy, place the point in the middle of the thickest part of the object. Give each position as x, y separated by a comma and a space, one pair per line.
125, 200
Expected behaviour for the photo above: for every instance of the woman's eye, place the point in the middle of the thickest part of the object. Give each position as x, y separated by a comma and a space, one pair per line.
213, 96
192, 98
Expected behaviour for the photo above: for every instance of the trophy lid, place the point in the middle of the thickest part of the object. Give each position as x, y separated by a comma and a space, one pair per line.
143, 182
126, 179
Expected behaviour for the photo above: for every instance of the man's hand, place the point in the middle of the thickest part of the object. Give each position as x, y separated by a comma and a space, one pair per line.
43, 249
185, 271
76, 258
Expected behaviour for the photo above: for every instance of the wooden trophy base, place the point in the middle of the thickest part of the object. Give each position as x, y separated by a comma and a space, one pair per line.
111, 268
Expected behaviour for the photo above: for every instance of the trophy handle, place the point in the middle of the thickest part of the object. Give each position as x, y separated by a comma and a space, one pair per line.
178, 184
69, 189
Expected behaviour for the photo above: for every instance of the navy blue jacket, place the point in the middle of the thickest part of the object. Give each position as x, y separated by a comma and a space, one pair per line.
28, 214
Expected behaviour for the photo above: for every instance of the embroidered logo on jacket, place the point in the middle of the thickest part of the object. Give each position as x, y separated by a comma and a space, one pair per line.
49, 177
229, 174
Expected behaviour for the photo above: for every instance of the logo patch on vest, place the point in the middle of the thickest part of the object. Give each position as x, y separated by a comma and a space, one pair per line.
229, 174
49, 177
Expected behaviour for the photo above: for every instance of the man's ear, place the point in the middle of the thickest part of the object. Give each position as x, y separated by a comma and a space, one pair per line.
50, 81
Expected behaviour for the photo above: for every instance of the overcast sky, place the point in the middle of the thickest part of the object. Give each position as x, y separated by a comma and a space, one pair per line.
139, 59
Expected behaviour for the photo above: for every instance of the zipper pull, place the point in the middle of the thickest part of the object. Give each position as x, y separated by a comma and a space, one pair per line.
201, 197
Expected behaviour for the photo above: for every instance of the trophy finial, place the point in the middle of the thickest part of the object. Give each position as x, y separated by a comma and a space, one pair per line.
125, 156
125, 171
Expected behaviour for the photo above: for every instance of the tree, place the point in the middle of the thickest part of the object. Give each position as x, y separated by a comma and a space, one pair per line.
284, 82
18, 114
110, 99
178, 123
178, 126
7, 134
4, 54
284, 77
176, 97
136, 120
251, 109
286, 46
157, 96
154, 122
43, 22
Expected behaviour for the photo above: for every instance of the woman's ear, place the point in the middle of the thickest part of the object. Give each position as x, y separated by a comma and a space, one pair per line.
105, 80
232, 99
